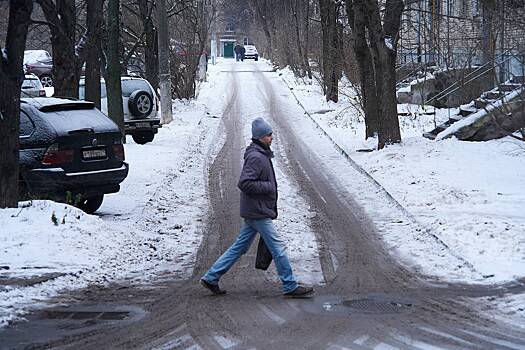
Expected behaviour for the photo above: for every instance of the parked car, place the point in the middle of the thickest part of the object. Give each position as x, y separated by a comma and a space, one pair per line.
251, 52
140, 103
69, 151
32, 87
39, 63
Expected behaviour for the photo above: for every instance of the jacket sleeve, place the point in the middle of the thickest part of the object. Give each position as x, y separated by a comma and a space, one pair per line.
249, 181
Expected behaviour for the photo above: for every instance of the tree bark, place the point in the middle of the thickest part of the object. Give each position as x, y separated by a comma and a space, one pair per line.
66, 66
151, 49
378, 81
113, 86
487, 33
331, 51
93, 62
262, 17
357, 19
383, 41
11, 77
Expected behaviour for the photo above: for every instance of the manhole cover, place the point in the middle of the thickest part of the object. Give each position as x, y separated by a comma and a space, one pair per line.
85, 315
376, 306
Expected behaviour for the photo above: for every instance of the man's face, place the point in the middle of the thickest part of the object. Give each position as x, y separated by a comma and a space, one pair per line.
267, 139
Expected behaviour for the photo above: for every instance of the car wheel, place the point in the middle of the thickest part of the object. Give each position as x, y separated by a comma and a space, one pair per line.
256, 58
91, 204
140, 103
46, 80
143, 137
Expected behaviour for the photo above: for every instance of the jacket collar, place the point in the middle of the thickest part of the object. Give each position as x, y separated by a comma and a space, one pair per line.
261, 147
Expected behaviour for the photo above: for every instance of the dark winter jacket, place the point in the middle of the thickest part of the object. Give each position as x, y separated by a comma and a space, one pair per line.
257, 183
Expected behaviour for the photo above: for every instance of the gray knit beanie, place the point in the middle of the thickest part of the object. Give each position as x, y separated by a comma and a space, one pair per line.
260, 128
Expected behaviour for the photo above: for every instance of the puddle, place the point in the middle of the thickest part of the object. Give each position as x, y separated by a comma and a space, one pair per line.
343, 306
58, 322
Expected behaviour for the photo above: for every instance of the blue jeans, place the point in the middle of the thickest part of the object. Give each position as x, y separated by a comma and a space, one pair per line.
249, 230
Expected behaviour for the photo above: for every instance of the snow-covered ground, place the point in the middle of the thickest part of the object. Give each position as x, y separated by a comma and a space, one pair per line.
469, 195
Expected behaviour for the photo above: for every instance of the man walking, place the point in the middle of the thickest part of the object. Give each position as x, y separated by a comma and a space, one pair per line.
258, 208
238, 52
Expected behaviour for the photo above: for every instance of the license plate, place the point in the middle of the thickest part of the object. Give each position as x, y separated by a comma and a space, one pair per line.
143, 125
94, 153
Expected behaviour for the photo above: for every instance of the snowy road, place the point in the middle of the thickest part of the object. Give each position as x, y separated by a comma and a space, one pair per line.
368, 296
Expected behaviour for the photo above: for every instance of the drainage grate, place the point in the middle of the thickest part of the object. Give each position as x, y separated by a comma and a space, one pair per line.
85, 315
376, 306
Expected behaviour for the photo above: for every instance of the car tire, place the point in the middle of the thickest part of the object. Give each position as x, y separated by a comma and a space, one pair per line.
91, 204
143, 137
256, 58
46, 80
140, 103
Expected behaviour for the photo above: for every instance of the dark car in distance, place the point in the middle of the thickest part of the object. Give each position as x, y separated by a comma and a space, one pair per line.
69, 151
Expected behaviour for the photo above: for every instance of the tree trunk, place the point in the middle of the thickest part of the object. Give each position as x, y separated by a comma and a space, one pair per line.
66, 67
357, 18
331, 50
262, 17
383, 41
151, 58
487, 34
94, 27
11, 77
307, 40
113, 86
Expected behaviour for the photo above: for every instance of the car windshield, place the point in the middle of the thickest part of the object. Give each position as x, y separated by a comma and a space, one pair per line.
31, 83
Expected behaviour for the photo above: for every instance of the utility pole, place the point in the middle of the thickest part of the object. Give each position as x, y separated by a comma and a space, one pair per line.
164, 64
213, 43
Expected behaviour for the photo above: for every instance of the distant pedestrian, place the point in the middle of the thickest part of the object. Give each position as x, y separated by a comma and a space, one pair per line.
243, 51
258, 208
238, 49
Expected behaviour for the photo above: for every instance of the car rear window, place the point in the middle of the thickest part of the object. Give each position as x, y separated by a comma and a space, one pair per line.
76, 119
128, 86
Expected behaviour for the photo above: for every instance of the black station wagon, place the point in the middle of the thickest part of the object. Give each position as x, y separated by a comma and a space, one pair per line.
69, 151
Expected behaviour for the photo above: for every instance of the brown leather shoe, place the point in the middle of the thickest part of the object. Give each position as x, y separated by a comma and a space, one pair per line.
300, 292
214, 288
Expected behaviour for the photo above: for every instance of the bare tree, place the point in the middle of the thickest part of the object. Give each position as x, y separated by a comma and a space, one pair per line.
332, 46
357, 20
151, 58
95, 22
11, 77
379, 35
61, 19
189, 26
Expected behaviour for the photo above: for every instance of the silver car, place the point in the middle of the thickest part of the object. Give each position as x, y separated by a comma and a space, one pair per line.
32, 87
140, 104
